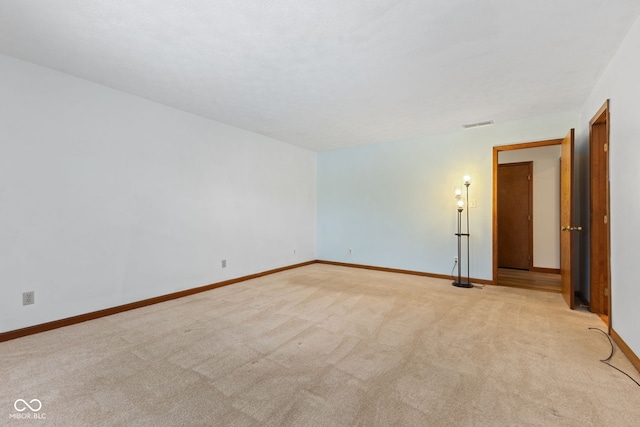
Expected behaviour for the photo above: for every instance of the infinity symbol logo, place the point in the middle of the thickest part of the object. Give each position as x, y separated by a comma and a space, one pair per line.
24, 405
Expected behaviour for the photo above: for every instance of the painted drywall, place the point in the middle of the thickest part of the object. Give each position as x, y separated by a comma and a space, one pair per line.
619, 83
546, 201
107, 198
393, 203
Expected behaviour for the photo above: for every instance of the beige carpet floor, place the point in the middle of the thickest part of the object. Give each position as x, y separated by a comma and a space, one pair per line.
324, 345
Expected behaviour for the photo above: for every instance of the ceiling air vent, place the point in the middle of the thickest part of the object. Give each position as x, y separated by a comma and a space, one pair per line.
476, 125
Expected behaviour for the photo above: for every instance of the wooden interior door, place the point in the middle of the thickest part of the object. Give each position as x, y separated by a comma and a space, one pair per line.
567, 234
515, 232
599, 252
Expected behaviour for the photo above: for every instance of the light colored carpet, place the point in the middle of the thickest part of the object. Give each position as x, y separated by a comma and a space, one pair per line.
324, 345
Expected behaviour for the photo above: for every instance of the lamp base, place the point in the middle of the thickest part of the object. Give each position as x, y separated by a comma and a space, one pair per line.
462, 284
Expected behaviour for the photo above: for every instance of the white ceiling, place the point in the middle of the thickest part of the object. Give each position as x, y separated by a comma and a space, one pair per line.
325, 74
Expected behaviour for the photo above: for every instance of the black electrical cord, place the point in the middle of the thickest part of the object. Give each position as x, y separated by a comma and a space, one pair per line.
453, 277
606, 361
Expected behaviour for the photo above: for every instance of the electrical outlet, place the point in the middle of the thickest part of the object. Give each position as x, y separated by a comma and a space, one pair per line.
350, 250
294, 251
28, 298
455, 259
224, 263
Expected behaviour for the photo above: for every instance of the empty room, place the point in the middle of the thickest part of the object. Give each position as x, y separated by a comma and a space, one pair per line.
298, 213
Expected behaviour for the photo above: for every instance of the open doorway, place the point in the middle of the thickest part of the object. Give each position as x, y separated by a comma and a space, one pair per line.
527, 215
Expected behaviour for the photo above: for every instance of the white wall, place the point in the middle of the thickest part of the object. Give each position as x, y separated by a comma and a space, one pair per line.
393, 204
620, 83
546, 201
106, 198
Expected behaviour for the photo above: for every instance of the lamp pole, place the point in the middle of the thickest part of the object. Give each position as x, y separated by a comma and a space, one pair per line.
459, 234
467, 183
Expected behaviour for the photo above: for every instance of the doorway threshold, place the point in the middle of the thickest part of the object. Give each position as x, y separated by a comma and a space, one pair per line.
524, 279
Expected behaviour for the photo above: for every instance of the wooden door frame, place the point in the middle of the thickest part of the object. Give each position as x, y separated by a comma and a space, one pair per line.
529, 164
496, 150
596, 289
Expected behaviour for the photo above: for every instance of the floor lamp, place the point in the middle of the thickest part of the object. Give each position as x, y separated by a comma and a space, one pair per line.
459, 282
